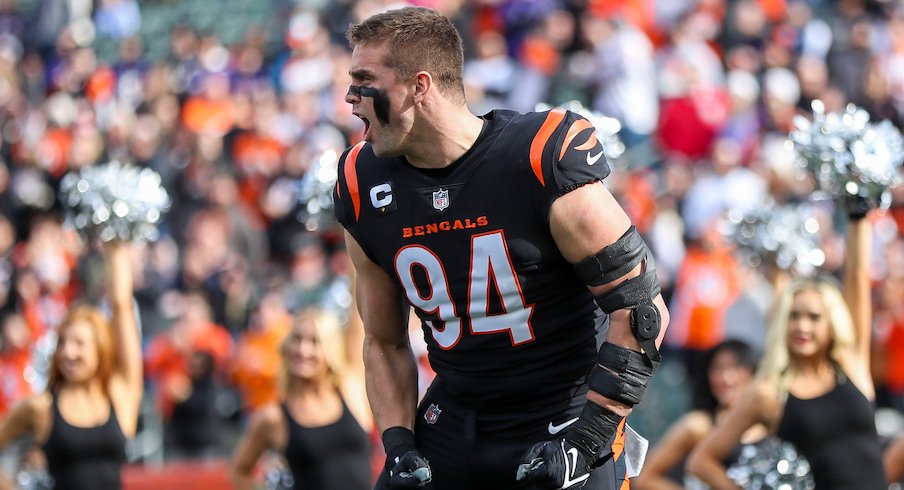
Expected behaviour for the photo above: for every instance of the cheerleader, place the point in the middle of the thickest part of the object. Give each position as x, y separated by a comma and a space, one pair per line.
90, 408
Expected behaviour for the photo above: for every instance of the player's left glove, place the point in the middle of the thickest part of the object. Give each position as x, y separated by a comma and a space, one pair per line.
557, 464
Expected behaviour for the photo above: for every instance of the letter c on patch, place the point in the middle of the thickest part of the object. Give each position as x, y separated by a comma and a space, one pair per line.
381, 195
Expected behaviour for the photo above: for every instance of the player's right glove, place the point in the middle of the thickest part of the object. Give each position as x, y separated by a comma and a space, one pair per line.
404, 465
566, 462
557, 464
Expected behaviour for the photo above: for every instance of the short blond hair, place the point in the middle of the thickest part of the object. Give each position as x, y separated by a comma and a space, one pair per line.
419, 39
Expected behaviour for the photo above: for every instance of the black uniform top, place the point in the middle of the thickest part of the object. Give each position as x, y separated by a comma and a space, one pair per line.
85, 458
836, 432
506, 319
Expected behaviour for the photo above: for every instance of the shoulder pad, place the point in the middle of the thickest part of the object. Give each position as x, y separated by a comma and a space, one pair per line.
346, 195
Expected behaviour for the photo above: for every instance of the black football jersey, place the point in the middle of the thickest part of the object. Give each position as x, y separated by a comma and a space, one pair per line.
505, 317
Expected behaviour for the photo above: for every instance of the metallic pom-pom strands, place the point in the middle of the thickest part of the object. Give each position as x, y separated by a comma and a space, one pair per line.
771, 464
786, 237
848, 155
114, 201
315, 192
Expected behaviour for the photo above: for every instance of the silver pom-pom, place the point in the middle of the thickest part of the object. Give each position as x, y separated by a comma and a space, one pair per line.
315, 191
849, 156
607, 128
771, 464
786, 237
115, 201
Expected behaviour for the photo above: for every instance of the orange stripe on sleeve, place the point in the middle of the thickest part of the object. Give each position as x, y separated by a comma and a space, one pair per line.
351, 177
574, 130
590, 143
552, 121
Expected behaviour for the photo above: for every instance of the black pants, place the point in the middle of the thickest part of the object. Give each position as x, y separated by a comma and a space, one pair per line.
470, 449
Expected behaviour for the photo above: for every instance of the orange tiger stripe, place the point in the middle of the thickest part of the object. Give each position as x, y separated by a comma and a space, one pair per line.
552, 121
573, 131
351, 177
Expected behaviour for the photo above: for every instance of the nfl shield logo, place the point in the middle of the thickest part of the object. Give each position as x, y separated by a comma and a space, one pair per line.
432, 413
441, 199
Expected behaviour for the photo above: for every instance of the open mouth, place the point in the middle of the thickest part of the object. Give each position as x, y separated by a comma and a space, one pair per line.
366, 125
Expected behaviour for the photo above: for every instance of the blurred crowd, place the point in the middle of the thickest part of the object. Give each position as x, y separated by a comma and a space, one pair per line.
242, 130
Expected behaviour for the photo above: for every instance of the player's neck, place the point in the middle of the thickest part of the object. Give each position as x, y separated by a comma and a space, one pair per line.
443, 137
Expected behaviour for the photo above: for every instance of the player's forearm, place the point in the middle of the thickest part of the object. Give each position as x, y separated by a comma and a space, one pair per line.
620, 326
391, 378
620, 334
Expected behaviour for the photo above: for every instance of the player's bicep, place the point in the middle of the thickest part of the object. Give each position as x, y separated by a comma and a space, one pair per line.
593, 232
586, 220
378, 298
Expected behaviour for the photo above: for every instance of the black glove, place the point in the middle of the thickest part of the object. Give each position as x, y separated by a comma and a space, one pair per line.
404, 465
858, 206
566, 462
557, 464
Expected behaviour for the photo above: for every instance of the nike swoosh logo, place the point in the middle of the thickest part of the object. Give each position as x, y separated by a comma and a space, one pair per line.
555, 429
569, 479
591, 159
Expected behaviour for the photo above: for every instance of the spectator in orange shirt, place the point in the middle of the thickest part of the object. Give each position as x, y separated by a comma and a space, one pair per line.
15, 357
211, 112
168, 355
889, 342
256, 376
706, 286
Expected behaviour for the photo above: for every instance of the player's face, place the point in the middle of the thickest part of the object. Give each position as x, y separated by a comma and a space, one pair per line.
381, 100
809, 332
77, 353
727, 377
303, 354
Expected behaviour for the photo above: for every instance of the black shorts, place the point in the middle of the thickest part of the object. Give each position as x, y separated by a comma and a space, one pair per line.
470, 449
